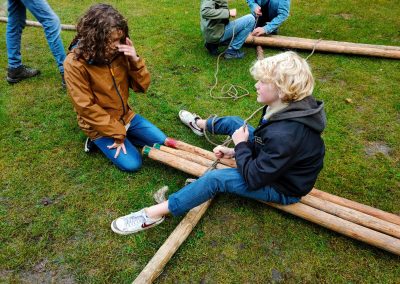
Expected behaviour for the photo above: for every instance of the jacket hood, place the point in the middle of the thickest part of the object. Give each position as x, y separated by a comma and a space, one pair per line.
307, 111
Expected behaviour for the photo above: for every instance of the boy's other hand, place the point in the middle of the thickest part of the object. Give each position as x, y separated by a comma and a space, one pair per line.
240, 135
129, 50
223, 152
232, 13
257, 11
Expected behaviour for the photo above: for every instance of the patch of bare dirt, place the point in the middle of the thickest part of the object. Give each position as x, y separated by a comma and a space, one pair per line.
345, 16
374, 148
40, 273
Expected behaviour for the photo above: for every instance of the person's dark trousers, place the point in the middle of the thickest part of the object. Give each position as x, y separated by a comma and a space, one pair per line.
264, 19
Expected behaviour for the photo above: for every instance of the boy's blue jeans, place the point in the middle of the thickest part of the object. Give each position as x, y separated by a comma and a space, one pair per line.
223, 181
239, 29
16, 23
141, 132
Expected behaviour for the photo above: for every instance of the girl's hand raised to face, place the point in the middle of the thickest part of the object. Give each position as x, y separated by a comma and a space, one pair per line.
129, 50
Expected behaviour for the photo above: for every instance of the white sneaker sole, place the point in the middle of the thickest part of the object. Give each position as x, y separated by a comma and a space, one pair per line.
118, 231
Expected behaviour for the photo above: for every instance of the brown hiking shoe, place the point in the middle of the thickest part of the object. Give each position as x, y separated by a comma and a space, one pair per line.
14, 75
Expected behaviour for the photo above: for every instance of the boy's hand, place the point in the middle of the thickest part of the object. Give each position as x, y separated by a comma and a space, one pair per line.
223, 152
258, 31
257, 11
129, 50
119, 146
240, 135
232, 13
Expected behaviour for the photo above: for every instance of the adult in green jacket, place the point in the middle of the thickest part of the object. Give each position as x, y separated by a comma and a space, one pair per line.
218, 30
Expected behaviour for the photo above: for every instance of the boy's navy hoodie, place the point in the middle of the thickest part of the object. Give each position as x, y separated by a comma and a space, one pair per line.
288, 151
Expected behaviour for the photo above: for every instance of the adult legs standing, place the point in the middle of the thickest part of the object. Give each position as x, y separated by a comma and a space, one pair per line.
16, 23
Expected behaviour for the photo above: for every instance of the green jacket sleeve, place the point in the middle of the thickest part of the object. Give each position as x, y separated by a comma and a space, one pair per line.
211, 9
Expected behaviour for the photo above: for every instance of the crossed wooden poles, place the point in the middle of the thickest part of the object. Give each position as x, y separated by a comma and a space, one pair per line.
352, 219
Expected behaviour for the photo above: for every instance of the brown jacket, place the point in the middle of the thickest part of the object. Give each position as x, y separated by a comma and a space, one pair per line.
100, 94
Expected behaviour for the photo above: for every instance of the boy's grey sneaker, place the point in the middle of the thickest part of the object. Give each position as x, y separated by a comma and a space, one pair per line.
15, 75
233, 54
189, 119
133, 223
90, 146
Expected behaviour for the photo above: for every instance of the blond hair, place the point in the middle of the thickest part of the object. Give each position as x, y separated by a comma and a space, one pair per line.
289, 72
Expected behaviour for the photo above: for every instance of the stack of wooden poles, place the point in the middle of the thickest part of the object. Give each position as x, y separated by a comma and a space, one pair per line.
355, 220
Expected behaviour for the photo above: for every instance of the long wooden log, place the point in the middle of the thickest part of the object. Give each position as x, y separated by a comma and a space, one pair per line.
171, 245
37, 24
170, 142
317, 216
352, 215
326, 46
342, 226
190, 156
389, 217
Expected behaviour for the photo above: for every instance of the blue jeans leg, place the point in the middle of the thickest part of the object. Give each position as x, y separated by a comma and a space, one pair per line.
238, 29
51, 25
226, 125
52, 28
221, 181
142, 132
15, 25
130, 162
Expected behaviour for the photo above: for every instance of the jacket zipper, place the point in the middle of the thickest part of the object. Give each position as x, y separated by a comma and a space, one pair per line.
119, 94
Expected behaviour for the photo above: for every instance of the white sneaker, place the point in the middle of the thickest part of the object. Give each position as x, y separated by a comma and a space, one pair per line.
133, 223
189, 119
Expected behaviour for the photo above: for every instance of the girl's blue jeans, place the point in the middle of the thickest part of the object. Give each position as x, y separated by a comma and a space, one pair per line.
223, 181
141, 132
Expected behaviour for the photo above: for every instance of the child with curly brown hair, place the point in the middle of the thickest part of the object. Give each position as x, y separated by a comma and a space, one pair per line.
99, 70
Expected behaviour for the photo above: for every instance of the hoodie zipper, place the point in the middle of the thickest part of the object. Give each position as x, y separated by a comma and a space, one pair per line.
119, 94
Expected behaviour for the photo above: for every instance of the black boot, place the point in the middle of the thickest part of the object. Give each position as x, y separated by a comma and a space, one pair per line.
63, 84
14, 75
212, 48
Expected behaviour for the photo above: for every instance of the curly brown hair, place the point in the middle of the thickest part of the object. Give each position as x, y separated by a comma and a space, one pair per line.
94, 30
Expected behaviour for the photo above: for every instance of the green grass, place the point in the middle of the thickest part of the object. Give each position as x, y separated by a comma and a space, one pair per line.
237, 240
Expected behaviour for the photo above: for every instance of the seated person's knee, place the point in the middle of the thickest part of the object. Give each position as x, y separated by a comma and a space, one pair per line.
131, 165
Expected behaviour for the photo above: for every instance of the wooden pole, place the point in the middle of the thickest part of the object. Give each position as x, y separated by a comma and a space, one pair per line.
389, 217
352, 215
326, 46
174, 161
37, 24
171, 245
342, 226
170, 142
156, 265
317, 216
190, 156
259, 52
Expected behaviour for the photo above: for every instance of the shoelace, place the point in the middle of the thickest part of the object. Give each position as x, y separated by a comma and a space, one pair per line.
134, 220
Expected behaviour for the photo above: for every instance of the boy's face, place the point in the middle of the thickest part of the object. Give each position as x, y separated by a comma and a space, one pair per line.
112, 45
267, 93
